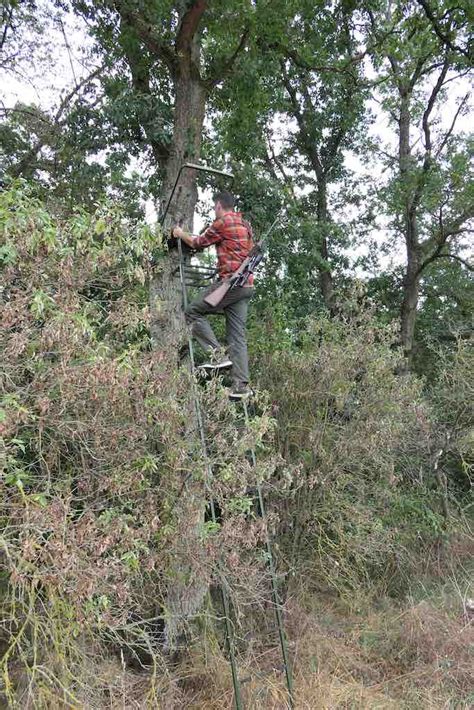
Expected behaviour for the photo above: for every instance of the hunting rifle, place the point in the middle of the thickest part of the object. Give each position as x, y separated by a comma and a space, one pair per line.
241, 276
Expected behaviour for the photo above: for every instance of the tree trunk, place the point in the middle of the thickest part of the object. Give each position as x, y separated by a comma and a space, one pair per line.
326, 283
325, 276
411, 284
165, 296
186, 587
411, 281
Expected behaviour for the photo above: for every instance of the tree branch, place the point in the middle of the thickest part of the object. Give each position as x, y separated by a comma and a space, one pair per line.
299, 62
55, 124
431, 102
148, 34
188, 26
216, 75
338, 134
292, 54
140, 71
432, 258
419, 71
427, 160
274, 159
451, 128
7, 18
292, 94
450, 337
78, 86
301, 119
439, 239
27, 112
445, 39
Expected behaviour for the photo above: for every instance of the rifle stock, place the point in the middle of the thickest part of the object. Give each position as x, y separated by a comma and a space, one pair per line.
217, 295
237, 279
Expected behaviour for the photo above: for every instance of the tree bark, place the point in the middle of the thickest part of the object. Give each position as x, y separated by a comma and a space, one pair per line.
411, 282
325, 276
186, 587
411, 287
165, 296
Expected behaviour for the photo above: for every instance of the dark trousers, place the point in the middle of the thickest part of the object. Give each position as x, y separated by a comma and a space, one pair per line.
234, 307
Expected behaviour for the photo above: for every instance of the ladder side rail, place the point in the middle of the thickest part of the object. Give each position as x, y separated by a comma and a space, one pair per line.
273, 581
209, 474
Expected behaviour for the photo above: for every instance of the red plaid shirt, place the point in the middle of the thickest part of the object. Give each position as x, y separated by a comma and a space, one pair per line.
233, 238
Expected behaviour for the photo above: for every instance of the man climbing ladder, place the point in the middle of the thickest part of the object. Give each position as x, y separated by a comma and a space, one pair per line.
232, 236
237, 260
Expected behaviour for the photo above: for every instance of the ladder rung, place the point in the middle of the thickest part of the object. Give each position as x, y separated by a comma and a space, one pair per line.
199, 268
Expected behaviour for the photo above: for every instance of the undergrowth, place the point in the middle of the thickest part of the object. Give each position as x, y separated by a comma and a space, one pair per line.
104, 487
104, 490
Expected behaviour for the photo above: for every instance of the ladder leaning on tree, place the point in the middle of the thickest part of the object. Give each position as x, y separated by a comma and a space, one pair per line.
190, 276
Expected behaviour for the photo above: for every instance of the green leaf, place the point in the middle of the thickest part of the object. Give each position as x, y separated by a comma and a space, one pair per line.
100, 226
20, 444
41, 303
39, 498
209, 528
240, 505
8, 254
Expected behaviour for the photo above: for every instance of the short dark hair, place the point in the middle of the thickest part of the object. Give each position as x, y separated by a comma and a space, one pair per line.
226, 199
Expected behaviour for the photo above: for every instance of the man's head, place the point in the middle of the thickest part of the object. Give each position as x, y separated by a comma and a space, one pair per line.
223, 202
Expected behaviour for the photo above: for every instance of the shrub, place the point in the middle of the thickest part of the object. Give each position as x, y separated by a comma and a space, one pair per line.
104, 487
366, 510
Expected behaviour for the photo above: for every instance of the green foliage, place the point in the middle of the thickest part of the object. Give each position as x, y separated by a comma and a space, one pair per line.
366, 471
295, 105
98, 451
366, 501
61, 155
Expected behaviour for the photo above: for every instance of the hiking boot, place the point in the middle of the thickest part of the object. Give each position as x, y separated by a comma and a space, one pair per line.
240, 392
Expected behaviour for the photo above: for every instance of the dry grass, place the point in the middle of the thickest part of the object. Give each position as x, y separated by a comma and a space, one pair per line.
369, 655
415, 657
411, 658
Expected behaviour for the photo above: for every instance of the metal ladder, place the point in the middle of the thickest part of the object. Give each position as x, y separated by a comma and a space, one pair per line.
195, 276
